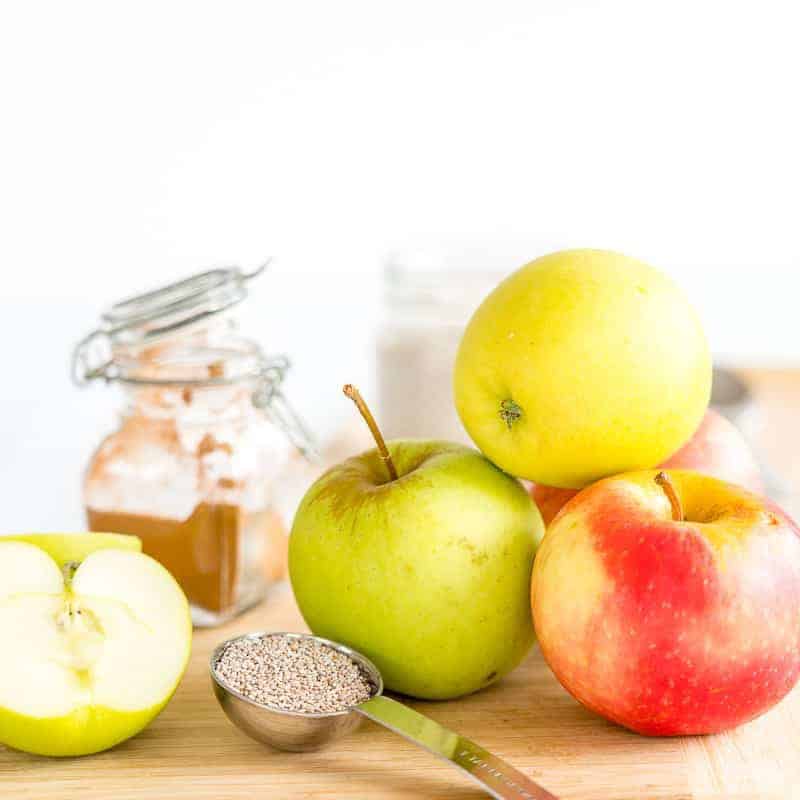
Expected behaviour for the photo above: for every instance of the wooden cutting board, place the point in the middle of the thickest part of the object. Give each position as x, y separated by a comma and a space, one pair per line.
192, 751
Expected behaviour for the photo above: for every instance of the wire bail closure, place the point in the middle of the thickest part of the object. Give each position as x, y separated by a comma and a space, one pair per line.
270, 399
138, 321
91, 359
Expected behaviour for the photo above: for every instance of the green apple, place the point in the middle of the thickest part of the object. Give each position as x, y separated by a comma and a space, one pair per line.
97, 636
428, 573
582, 364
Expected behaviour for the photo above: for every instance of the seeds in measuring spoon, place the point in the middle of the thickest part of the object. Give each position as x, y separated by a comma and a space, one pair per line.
300, 675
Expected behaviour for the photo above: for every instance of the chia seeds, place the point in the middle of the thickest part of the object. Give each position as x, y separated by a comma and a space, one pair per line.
301, 675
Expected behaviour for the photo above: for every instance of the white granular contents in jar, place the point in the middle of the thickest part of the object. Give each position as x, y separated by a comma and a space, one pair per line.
292, 674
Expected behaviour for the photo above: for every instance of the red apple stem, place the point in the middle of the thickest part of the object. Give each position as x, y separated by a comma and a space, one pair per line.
663, 480
353, 393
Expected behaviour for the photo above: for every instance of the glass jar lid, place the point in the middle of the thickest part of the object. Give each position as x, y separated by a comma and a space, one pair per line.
146, 318
151, 339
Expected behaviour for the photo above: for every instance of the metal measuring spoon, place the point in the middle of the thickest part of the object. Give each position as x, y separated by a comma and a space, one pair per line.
294, 731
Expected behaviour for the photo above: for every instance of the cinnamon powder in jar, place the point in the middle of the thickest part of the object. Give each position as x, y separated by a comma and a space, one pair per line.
190, 472
204, 552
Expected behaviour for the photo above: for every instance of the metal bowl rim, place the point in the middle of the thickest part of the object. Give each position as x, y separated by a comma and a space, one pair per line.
372, 671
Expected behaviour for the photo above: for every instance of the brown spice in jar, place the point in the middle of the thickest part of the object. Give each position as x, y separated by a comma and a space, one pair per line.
208, 444
203, 552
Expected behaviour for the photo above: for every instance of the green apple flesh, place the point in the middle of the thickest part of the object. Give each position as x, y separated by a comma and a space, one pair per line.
428, 575
92, 654
582, 364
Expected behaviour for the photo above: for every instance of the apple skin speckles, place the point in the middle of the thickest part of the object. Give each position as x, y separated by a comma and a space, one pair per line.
428, 574
670, 627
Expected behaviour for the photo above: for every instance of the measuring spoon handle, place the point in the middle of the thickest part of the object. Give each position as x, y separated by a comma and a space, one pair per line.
497, 777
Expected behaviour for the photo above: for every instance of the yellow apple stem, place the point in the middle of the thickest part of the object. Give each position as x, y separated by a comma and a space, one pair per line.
662, 479
353, 393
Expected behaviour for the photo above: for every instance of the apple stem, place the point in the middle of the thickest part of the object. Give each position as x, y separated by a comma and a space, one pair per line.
663, 480
353, 393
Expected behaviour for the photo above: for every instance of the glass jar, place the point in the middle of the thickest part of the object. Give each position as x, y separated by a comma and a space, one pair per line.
428, 298
204, 437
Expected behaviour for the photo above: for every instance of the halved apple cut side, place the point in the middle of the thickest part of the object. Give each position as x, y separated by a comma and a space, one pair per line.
91, 651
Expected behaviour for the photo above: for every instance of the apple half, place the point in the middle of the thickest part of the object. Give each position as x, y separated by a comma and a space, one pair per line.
94, 646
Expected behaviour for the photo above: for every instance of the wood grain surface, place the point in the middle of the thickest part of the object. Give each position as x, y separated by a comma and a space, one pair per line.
192, 751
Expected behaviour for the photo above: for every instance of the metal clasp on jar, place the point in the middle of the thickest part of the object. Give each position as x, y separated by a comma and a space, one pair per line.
158, 315
271, 400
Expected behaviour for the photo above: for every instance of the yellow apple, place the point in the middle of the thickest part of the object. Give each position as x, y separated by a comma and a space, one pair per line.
96, 638
582, 364
717, 449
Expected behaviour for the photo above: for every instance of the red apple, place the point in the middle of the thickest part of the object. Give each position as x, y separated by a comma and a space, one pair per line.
550, 500
670, 602
717, 449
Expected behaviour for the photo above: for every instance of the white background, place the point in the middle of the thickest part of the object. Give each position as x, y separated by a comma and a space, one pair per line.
142, 141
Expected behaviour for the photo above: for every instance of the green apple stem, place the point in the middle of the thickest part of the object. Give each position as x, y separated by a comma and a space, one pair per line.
662, 479
353, 393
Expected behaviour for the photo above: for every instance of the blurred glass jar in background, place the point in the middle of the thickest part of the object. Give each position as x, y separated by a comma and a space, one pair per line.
204, 441
428, 299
